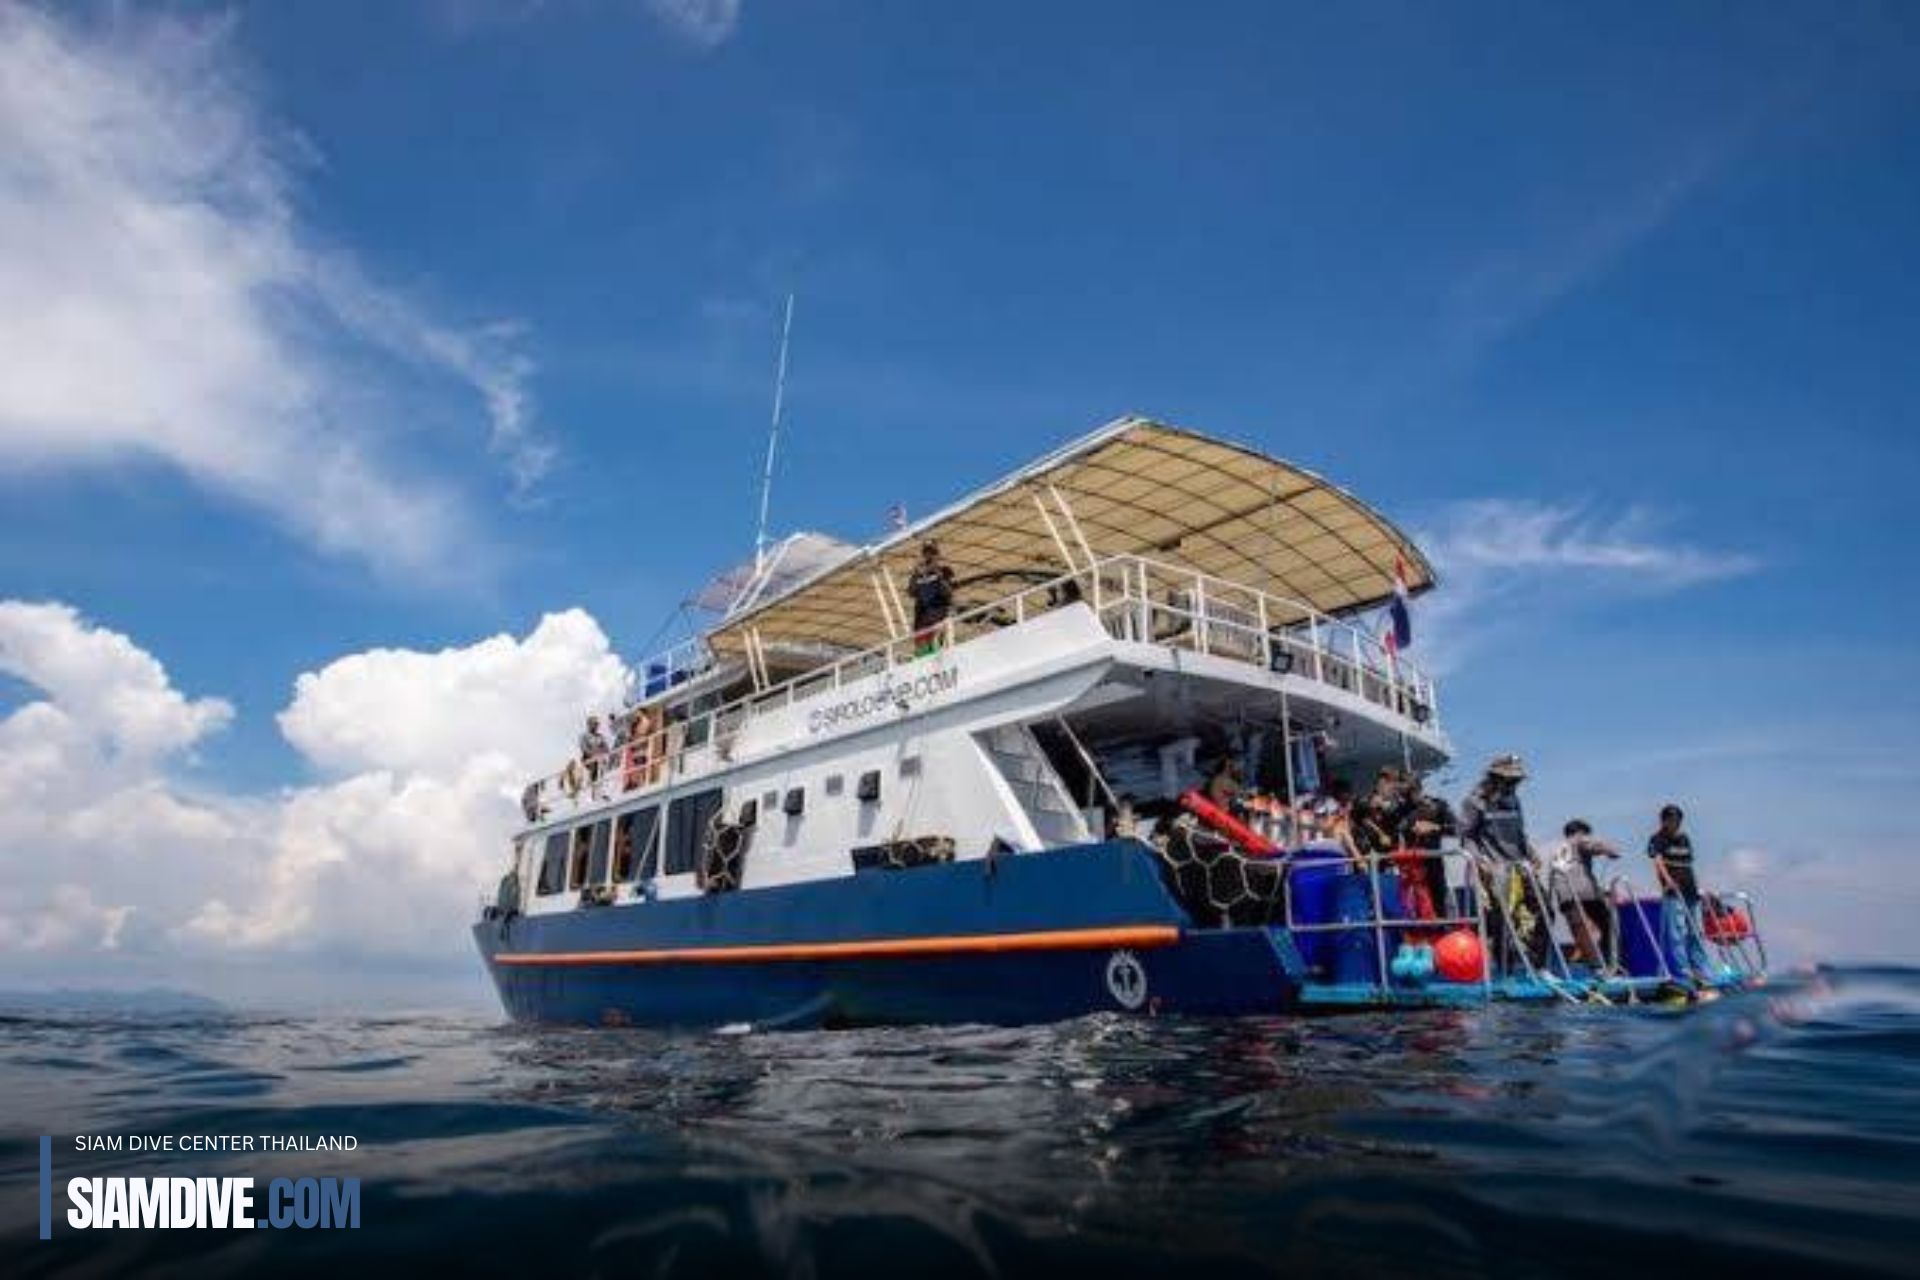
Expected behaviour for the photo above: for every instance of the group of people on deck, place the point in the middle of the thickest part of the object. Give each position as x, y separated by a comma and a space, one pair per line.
1525, 887
1401, 827
633, 755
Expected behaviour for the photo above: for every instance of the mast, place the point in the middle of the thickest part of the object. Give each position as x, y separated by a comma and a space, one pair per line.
773, 439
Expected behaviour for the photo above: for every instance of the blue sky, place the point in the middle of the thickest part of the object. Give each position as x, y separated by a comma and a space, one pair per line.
1615, 305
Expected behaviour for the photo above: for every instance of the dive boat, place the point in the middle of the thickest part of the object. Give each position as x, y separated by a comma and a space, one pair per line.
819, 814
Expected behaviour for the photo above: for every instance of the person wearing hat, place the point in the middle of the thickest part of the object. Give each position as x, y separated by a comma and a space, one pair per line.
1493, 829
930, 587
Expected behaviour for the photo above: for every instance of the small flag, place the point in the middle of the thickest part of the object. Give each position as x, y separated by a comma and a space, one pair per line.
897, 516
1400, 633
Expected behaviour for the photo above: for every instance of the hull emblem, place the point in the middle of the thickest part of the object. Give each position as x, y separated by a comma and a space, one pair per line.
1126, 980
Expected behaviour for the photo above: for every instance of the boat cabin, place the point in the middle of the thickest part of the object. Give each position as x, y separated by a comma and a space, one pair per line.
1124, 614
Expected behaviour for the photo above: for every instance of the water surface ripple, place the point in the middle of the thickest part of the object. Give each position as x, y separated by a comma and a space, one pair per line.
1777, 1132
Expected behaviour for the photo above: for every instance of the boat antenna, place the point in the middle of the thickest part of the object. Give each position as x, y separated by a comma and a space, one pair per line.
773, 440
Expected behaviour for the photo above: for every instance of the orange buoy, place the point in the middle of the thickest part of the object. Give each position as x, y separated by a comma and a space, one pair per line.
1459, 957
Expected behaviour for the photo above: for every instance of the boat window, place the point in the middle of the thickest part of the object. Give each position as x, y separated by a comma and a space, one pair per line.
553, 865
687, 821
636, 845
910, 766
869, 785
795, 802
836, 783
577, 864
598, 853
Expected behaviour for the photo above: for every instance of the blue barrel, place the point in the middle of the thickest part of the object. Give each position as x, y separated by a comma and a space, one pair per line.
1641, 943
1312, 890
1356, 952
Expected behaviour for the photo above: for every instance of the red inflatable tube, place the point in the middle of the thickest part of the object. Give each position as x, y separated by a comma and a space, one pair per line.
1727, 925
1245, 837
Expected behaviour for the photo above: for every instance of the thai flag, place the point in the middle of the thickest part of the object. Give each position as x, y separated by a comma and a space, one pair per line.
1400, 619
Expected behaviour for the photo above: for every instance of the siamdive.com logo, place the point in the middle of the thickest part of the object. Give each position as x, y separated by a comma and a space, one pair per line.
142, 1203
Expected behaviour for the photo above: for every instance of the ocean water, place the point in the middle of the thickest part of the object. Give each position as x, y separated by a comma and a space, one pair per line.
1772, 1133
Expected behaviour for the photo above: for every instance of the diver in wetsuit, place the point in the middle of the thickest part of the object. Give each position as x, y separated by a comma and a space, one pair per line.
1425, 821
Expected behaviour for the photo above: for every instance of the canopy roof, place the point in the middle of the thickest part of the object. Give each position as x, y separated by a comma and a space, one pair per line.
1135, 487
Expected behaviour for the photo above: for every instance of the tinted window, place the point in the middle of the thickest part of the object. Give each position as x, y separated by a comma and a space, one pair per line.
598, 853
687, 820
636, 845
577, 865
553, 866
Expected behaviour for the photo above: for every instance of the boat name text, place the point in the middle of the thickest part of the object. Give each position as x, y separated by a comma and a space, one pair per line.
899, 694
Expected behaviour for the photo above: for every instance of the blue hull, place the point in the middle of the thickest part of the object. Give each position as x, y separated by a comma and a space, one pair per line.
1031, 938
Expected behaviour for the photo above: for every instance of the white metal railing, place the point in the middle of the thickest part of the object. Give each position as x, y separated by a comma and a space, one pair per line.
1142, 599
1135, 598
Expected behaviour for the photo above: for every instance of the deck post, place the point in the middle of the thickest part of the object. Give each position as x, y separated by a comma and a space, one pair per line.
1199, 603
1379, 919
1079, 536
887, 615
1053, 531
1286, 759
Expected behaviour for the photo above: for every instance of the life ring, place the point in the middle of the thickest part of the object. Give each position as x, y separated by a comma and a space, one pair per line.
722, 856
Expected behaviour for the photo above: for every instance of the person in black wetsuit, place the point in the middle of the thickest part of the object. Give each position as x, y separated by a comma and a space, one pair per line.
1378, 814
1426, 821
930, 587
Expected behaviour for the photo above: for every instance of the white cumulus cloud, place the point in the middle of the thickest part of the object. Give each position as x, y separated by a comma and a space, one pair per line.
109, 690
167, 302
106, 847
414, 712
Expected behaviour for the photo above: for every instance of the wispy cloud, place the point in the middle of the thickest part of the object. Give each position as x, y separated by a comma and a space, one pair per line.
1512, 286
707, 24
1517, 554
1493, 536
165, 300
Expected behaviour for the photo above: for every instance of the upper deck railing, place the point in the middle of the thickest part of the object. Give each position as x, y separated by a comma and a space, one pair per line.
1136, 599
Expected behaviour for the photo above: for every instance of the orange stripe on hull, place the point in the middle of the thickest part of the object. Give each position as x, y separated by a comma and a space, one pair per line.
1149, 935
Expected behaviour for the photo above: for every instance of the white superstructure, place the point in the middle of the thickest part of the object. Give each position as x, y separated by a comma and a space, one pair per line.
1132, 608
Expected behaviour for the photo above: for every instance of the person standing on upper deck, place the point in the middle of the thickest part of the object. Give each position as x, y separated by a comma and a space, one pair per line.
593, 749
930, 587
1494, 830
1672, 852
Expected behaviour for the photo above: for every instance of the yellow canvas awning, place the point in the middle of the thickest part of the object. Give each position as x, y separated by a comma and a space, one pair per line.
1135, 487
